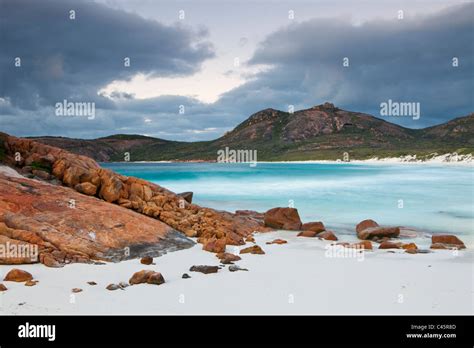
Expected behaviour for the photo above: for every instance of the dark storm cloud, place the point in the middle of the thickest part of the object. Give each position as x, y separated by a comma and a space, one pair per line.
63, 58
403, 60
158, 117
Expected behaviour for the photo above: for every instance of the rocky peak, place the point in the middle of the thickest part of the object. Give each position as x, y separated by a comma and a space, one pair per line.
263, 115
327, 106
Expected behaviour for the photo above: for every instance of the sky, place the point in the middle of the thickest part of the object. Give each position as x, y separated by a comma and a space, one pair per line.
192, 70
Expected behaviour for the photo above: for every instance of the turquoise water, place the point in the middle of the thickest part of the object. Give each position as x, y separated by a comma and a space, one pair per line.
435, 198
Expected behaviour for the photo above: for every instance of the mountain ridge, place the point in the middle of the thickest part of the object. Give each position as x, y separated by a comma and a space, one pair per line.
320, 132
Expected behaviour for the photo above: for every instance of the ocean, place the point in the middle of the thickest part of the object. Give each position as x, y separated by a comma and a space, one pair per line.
425, 197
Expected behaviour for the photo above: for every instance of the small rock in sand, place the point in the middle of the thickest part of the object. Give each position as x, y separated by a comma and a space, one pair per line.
186, 276
390, 245
112, 287
228, 258
76, 290
409, 246
146, 276
309, 234
277, 241
235, 268
204, 269
250, 239
253, 250
92, 283
147, 260
123, 285
18, 275
3, 287
327, 235
31, 282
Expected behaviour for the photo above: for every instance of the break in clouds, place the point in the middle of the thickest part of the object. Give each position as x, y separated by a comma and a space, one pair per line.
404, 60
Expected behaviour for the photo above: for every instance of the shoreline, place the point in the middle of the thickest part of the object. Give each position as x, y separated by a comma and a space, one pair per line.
442, 160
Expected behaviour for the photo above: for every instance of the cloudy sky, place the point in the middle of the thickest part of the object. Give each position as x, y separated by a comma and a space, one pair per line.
220, 61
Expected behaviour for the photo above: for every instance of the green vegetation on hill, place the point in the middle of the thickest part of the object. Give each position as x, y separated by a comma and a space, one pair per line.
323, 132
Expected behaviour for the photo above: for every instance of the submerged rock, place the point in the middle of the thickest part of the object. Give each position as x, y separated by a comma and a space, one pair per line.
369, 229
310, 234
316, 226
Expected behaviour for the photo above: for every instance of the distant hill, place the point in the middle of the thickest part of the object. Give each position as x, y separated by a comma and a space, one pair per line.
321, 132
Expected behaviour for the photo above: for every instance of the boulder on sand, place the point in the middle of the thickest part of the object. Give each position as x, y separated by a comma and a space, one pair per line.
283, 219
365, 224
446, 241
228, 258
410, 246
147, 276
204, 269
18, 275
369, 229
327, 235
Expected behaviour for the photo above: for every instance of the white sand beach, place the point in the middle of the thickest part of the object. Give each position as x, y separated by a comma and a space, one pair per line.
448, 159
293, 278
